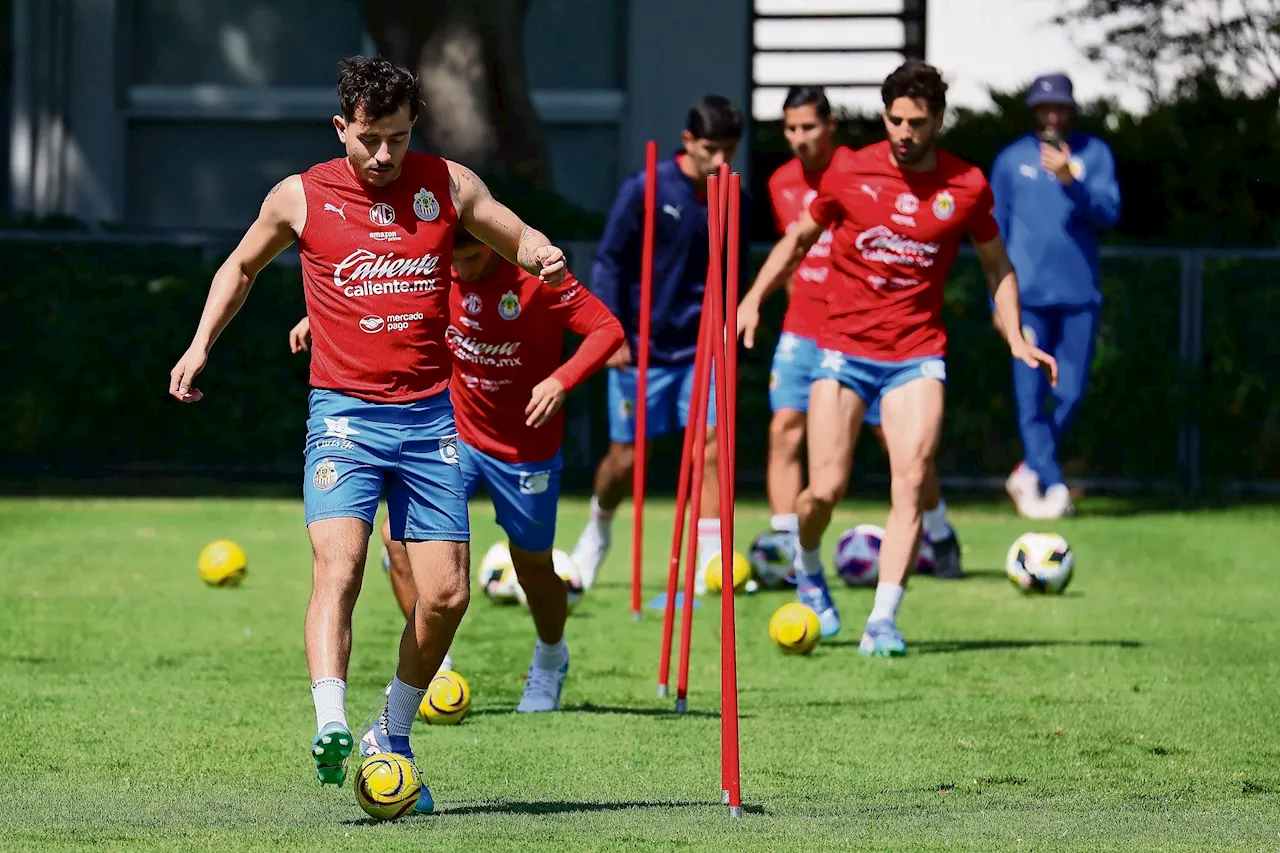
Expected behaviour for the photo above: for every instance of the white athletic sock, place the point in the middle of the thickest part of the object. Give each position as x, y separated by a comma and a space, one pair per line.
550, 657
330, 698
708, 540
936, 526
888, 599
402, 707
599, 513
809, 561
786, 523
447, 663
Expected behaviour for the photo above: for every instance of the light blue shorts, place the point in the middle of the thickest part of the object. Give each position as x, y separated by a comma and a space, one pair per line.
356, 450
870, 379
524, 494
794, 361
669, 391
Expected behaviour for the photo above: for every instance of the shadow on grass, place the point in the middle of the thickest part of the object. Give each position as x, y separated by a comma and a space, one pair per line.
561, 807
592, 708
938, 647
555, 807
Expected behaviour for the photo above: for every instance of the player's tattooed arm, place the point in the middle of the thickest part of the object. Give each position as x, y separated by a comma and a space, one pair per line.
494, 223
776, 272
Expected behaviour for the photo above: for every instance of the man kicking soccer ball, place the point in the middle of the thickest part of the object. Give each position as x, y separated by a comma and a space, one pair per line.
810, 129
900, 209
375, 232
506, 333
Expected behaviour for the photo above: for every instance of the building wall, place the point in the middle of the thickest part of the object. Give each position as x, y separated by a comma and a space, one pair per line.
182, 113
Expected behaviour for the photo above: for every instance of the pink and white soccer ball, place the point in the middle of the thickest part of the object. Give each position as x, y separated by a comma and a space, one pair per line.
857, 556
926, 563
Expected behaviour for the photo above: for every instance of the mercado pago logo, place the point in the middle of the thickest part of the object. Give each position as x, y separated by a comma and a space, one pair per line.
365, 273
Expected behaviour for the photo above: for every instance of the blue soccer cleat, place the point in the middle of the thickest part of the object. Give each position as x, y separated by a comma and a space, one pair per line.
376, 740
330, 749
814, 594
882, 639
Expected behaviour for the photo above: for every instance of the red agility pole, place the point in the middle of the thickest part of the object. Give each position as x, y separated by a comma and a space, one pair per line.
724, 359
642, 372
699, 405
697, 420
682, 500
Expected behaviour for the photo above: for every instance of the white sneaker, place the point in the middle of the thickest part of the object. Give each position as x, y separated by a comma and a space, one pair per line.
1023, 487
1056, 503
542, 689
589, 553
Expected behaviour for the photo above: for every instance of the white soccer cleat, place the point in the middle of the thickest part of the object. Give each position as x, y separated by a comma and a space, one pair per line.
589, 553
1055, 504
1023, 487
542, 689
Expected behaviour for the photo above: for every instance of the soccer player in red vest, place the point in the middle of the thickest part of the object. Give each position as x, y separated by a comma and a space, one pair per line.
375, 233
506, 332
900, 209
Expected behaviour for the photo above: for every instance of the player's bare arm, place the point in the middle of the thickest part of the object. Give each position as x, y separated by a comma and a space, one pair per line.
495, 224
776, 271
1002, 282
300, 336
279, 222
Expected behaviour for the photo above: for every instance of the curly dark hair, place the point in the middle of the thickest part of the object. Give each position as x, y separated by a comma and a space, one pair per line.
375, 87
916, 79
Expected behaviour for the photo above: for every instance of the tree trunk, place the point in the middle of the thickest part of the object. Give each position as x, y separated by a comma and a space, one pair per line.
469, 58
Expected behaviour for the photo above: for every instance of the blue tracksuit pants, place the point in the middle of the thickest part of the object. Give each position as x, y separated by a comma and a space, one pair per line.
1068, 334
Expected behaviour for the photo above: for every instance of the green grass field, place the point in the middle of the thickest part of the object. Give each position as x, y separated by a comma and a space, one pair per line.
141, 710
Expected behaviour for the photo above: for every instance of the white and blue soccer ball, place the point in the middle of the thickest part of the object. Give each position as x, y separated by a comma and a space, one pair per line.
772, 557
567, 570
857, 556
497, 576
1040, 562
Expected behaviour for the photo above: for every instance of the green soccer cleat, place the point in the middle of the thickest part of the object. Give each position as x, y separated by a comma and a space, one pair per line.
330, 749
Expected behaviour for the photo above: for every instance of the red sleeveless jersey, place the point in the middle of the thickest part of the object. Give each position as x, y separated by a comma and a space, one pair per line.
375, 271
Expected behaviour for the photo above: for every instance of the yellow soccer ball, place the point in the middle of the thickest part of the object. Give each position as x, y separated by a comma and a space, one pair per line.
387, 785
448, 700
222, 563
795, 629
741, 573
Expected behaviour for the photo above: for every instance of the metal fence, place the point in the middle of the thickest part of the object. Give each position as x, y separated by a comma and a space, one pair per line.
1186, 399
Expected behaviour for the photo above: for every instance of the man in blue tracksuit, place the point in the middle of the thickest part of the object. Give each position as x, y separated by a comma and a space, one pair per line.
680, 257
1056, 194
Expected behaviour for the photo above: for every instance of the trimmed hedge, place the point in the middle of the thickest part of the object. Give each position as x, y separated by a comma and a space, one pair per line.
90, 333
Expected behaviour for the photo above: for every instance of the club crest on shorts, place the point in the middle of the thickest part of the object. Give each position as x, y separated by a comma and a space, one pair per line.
934, 368
1029, 335
325, 476
534, 482
509, 306
425, 206
449, 450
773, 380
944, 205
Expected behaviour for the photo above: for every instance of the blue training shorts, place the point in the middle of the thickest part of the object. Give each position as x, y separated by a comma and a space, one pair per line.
669, 391
355, 449
524, 494
870, 379
794, 361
